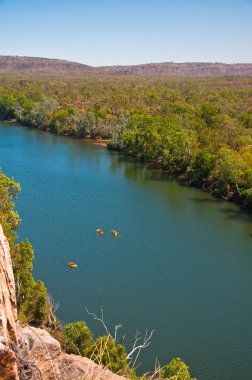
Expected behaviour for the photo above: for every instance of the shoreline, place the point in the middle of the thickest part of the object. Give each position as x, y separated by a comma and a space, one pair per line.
90, 140
104, 144
99, 142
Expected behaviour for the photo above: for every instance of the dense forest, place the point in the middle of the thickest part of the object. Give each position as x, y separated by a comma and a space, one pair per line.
197, 129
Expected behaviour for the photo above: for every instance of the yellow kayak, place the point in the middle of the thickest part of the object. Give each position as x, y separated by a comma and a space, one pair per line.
115, 233
72, 265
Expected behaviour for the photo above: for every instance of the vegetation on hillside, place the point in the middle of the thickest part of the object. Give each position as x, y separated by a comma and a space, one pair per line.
196, 129
58, 67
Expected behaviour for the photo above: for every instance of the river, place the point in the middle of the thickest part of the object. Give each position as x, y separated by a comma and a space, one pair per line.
182, 264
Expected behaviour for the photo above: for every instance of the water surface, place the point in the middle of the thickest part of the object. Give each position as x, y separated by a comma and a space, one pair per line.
182, 264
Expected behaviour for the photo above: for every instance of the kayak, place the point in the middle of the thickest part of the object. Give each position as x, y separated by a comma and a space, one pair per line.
99, 231
72, 265
115, 233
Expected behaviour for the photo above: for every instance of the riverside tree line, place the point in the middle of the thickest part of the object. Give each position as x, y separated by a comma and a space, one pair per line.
196, 129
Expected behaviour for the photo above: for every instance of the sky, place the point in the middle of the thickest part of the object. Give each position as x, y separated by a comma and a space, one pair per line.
126, 32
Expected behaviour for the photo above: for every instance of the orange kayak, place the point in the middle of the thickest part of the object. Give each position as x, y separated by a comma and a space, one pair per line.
99, 231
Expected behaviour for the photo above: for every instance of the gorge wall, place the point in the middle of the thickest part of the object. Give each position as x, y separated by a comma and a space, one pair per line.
8, 313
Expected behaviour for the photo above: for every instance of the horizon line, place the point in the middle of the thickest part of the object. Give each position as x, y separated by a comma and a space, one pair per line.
128, 65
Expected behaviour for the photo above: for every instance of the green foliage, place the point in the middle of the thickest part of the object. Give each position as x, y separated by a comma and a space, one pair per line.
59, 121
78, 338
176, 370
7, 106
8, 217
245, 183
227, 172
32, 302
161, 140
39, 305
106, 352
199, 174
87, 125
208, 113
246, 118
23, 110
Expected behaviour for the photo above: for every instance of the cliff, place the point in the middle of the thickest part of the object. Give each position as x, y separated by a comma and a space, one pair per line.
32, 353
8, 314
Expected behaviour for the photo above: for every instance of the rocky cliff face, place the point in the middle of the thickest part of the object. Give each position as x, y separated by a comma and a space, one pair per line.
42, 358
8, 314
31, 353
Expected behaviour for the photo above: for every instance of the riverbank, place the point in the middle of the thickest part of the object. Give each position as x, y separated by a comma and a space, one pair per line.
98, 142
198, 129
231, 194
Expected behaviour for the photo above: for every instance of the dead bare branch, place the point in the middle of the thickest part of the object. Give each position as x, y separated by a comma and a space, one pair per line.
133, 355
117, 327
100, 319
138, 348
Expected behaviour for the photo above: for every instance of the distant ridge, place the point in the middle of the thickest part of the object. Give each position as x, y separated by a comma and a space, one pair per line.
33, 65
190, 69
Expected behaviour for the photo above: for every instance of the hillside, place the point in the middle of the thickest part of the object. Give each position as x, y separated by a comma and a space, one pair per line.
193, 69
33, 65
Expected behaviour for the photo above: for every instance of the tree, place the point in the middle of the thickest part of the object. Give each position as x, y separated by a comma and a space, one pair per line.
40, 304
23, 109
7, 106
208, 113
227, 172
87, 124
41, 113
203, 164
107, 353
139, 341
246, 118
32, 301
9, 218
246, 184
176, 370
78, 338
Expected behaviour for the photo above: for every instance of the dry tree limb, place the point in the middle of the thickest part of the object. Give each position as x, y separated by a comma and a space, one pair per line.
137, 347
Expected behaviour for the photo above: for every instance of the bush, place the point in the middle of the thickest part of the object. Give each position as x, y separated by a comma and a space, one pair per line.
176, 369
32, 301
78, 338
109, 354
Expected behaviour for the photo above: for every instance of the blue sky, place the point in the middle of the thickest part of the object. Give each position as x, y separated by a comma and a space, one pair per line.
111, 32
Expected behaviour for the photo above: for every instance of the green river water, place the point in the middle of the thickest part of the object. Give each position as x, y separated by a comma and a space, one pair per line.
182, 264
